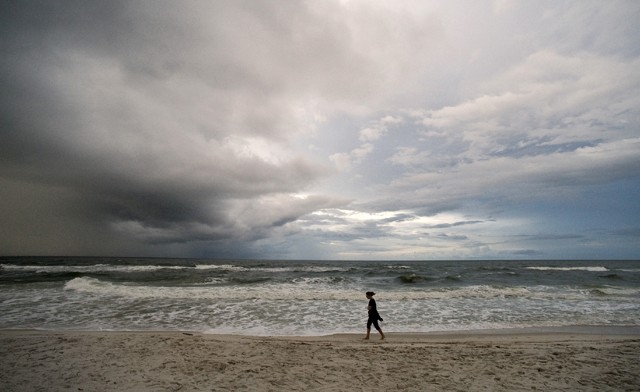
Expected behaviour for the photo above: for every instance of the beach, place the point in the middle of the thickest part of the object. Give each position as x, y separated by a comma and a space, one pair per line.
567, 360
105, 324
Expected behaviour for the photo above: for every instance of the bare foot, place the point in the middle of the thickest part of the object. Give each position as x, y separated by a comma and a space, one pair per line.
365, 339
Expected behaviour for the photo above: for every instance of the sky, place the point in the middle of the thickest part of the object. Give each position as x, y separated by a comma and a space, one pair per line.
329, 129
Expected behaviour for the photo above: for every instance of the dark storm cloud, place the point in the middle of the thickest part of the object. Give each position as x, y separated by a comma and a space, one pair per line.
150, 118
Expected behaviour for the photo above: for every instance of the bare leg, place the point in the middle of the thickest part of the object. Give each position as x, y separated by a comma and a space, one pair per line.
368, 333
381, 334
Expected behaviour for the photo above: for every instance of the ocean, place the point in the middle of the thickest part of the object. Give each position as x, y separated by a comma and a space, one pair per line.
280, 298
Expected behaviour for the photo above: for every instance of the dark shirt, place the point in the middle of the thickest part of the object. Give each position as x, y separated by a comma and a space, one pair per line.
373, 312
373, 308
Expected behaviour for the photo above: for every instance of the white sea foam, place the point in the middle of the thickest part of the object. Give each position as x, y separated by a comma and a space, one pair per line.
226, 267
267, 292
210, 281
318, 269
229, 267
590, 269
317, 290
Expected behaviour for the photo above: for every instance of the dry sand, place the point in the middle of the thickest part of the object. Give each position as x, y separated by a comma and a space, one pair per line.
161, 361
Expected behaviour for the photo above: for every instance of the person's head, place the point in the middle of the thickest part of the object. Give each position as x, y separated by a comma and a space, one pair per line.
370, 294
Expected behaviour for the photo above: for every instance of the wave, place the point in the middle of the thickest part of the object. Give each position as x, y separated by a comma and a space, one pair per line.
291, 291
612, 276
590, 269
100, 268
212, 281
619, 291
327, 280
298, 291
493, 268
89, 268
413, 278
249, 280
38, 278
321, 280
225, 267
229, 267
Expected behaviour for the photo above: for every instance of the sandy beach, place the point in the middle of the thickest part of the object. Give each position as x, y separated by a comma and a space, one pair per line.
179, 361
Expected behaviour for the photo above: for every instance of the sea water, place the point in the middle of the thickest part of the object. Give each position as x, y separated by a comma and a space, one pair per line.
260, 297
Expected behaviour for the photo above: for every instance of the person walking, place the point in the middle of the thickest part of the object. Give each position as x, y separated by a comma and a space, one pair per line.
374, 316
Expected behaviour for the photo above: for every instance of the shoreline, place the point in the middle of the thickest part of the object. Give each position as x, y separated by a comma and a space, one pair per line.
627, 330
581, 358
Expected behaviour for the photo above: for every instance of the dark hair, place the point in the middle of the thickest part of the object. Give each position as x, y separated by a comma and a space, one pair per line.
371, 293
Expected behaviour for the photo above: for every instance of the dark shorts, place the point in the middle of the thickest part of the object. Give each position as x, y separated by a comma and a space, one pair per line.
373, 320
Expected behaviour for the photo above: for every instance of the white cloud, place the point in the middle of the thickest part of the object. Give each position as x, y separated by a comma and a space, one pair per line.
541, 176
345, 161
360, 153
341, 160
371, 134
549, 96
